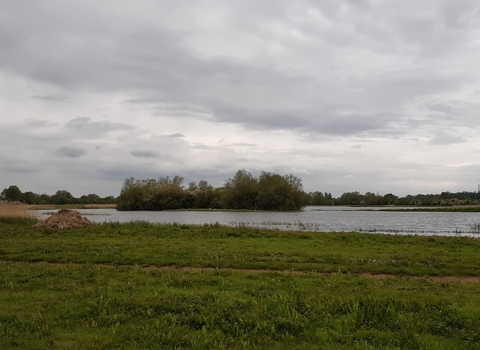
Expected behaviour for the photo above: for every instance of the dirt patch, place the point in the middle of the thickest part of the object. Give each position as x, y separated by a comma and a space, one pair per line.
64, 219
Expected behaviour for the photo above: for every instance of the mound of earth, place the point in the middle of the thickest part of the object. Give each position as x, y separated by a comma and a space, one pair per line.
65, 218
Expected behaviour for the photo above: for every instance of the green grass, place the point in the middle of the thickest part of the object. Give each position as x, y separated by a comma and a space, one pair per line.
98, 307
242, 248
105, 295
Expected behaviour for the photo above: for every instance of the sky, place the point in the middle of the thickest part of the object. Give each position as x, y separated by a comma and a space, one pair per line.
348, 95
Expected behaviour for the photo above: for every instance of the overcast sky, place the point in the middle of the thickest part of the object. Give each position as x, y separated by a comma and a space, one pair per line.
351, 95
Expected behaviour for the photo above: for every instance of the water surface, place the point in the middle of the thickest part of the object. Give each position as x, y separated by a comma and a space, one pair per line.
315, 219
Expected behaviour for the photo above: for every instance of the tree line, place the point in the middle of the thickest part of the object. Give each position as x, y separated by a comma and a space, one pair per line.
269, 191
371, 199
14, 194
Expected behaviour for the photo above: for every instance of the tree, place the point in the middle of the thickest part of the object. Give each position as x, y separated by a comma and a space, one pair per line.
371, 198
203, 195
295, 193
130, 195
273, 191
92, 198
31, 198
318, 198
243, 191
164, 181
12, 193
240, 191
150, 194
350, 198
192, 186
389, 199
62, 197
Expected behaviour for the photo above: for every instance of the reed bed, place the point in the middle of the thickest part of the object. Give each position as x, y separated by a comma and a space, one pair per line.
15, 210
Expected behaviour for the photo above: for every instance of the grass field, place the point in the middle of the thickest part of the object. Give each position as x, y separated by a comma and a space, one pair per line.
119, 286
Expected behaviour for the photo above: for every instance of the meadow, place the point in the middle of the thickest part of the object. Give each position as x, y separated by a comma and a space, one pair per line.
146, 286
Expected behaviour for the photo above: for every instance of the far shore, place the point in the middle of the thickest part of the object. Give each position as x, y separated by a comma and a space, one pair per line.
456, 208
70, 206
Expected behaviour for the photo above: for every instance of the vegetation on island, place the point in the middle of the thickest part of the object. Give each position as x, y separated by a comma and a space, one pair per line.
269, 191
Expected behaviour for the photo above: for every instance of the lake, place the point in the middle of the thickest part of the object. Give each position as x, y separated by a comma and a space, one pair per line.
313, 219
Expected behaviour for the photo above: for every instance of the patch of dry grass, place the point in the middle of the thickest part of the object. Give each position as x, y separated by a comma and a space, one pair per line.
70, 206
14, 209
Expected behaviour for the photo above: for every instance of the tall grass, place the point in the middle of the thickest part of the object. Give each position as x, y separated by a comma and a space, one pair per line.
14, 209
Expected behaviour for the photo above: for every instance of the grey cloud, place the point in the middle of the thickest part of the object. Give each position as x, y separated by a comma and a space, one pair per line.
444, 108
91, 128
460, 13
354, 124
150, 57
146, 100
40, 123
201, 146
324, 71
308, 121
56, 98
145, 154
243, 144
257, 118
15, 165
396, 88
22, 169
180, 111
118, 173
446, 138
70, 152
144, 58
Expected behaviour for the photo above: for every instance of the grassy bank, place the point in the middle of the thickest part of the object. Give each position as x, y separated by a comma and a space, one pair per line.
104, 292
242, 248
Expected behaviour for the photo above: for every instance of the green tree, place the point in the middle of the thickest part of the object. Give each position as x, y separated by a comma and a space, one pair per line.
273, 192
240, 192
371, 198
31, 198
130, 195
204, 195
63, 197
318, 198
91, 198
350, 198
12, 193
389, 199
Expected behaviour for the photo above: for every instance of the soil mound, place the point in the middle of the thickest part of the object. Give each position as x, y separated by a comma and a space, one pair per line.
65, 219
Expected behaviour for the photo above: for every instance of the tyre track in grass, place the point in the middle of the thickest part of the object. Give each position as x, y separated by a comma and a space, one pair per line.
436, 279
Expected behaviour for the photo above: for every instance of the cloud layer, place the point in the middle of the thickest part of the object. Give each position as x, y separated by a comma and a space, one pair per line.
349, 95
